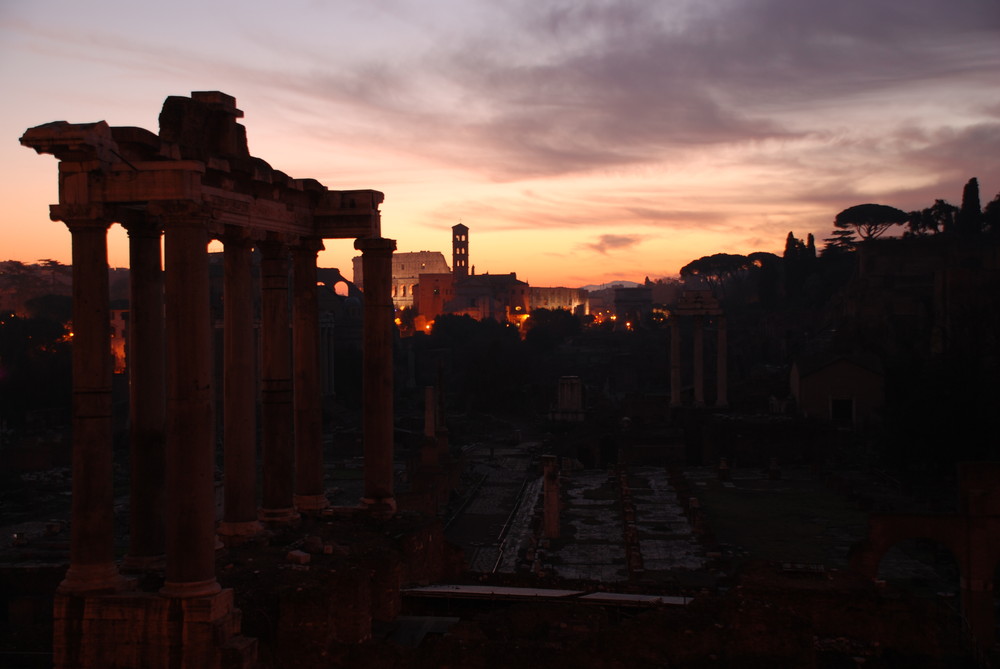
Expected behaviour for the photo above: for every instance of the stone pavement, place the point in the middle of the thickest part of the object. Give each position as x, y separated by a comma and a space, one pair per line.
592, 545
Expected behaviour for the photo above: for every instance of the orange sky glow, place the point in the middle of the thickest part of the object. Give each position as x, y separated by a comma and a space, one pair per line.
581, 141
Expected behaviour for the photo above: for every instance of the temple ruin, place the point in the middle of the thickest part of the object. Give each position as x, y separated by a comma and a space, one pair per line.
195, 182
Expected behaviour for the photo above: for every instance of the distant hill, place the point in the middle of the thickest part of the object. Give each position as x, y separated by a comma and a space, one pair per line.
612, 284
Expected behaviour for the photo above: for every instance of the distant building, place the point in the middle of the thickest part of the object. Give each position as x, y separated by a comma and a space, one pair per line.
406, 271
633, 304
434, 291
501, 297
845, 390
460, 250
574, 300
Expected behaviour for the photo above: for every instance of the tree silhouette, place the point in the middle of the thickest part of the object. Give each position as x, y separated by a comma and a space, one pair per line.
870, 220
991, 217
717, 269
842, 241
940, 217
970, 216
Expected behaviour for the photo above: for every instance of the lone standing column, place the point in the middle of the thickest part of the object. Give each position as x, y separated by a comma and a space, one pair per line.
699, 361
722, 375
309, 493
239, 390
675, 361
278, 444
377, 413
147, 397
92, 557
190, 416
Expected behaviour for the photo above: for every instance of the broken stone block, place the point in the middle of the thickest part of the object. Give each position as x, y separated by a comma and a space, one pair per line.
298, 557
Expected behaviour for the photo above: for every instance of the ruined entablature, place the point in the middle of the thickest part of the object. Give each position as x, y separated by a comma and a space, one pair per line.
200, 155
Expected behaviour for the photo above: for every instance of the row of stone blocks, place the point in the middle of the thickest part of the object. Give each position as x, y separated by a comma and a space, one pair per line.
140, 629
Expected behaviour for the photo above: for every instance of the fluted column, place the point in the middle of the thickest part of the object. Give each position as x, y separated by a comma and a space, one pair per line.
721, 369
277, 441
309, 493
239, 390
190, 416
147, 397
377, 412
92, 559
675, 361
699, 361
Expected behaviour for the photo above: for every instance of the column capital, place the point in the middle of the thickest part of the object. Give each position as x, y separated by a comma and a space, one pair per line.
308, 245
238, 235
375, 245
140, 224
80, 216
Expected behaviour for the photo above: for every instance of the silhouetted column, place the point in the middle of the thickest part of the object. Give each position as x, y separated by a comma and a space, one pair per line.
441, 432
190, 416
722, 374
239, 390
550, 504
675, 362
699, 361
147, 398
92, 559
376, 260
309, 493
429, 449
277, 441
430, 411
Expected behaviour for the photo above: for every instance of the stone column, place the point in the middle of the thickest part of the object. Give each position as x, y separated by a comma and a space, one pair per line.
722, 373
309, 491
239, 390
147, 398
277, 442
377, 412
190, 416
675, 361
430, 412
550, 503
92, 554
429, 449
699, 361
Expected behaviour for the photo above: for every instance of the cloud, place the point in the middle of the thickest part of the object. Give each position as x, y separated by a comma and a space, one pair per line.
607, 243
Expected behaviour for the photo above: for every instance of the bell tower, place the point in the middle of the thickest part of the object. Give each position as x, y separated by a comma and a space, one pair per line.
460, 251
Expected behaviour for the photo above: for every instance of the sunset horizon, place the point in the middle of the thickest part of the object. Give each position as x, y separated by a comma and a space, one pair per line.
580, 143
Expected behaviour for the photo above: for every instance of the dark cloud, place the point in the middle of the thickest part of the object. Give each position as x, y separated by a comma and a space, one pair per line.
619, 83
607, 243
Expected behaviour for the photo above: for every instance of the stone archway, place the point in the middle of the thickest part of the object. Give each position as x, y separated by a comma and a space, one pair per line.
972, 535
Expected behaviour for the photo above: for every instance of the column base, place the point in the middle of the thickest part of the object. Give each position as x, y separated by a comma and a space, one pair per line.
285, 516
310, 503
236, 533
93, 579
382, 507
189, 589
144, 563
146, 630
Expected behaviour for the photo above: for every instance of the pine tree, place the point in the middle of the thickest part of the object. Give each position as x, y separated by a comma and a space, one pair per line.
970, 216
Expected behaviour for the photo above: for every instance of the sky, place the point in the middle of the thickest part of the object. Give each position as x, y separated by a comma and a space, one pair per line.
581, 141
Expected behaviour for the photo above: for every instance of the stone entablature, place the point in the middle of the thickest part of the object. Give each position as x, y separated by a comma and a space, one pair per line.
200, 156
